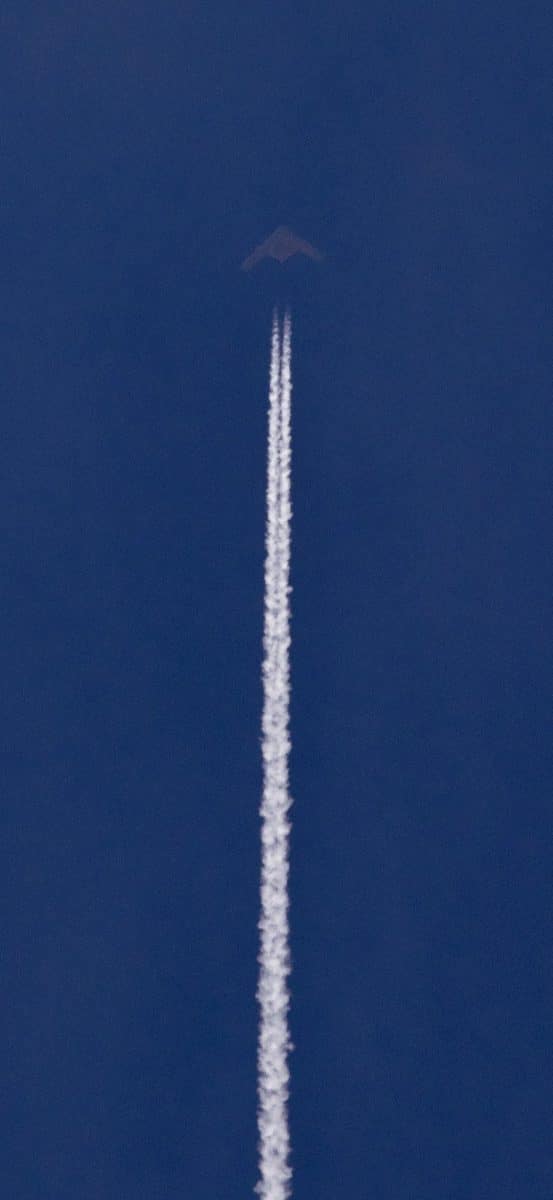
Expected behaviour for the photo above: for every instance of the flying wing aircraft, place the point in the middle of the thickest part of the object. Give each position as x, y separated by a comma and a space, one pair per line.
281, 244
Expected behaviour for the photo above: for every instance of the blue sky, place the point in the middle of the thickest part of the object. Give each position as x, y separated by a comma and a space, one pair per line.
144, 154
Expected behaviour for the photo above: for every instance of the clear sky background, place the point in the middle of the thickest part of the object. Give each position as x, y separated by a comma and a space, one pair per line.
146, 148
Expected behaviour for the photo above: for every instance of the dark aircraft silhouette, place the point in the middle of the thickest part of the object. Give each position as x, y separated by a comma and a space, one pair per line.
281, 244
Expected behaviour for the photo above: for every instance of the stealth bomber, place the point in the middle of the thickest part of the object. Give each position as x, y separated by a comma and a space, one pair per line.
281, 244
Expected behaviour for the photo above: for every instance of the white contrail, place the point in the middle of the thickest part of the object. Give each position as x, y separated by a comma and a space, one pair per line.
274, 954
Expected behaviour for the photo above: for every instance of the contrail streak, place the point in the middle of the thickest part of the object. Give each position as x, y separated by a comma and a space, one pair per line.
274, 954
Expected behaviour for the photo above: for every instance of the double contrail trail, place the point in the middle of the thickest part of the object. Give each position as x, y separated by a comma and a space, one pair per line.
274, 953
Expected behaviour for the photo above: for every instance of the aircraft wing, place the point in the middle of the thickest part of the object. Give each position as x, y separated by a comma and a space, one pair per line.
253, 258
307, 248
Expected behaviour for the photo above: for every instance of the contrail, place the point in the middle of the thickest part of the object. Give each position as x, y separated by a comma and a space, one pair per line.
274, 953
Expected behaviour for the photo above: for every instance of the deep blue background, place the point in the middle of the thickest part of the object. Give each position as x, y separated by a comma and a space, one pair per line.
145, 150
